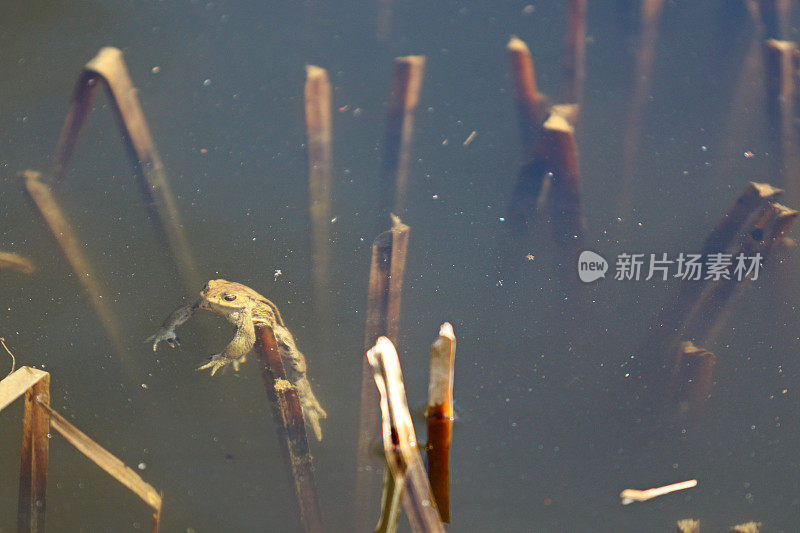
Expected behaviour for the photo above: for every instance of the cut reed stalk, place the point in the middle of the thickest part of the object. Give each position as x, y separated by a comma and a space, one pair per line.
559, 148
318, 132
575, 46
399, 441
406, 86
439, 416
749, 527
290, 427
33, 383
383, 319
72, 249
688, 525
109, 67
531, 104
16, 262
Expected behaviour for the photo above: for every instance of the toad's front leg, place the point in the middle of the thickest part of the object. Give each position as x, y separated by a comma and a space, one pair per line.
241, 344
167, 330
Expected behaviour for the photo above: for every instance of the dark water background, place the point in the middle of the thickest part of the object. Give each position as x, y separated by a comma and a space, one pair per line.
544, 442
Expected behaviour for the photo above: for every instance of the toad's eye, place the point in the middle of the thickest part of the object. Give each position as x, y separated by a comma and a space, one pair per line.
229, 297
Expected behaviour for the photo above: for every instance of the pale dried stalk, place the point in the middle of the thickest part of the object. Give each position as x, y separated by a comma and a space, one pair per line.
72, 249
16, 262
104, 459
399, 441
634, 495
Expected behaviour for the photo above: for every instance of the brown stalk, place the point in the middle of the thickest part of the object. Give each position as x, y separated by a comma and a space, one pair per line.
531, 104
318, 132
399, 441
72, 248
574, 70
439, 416
383, 318
33, 383
109, 68
291, 429
16, 262
406, 86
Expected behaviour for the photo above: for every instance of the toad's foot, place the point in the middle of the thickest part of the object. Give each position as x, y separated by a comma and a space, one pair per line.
216, 362
164, 334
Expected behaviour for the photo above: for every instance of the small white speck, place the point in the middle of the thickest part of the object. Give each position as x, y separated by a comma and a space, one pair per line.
141, 466
206, 82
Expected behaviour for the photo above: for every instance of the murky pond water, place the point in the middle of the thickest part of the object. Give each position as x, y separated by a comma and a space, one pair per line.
546, 439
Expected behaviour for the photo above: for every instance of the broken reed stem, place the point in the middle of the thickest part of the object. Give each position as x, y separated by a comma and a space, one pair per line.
383, 318
439, 417
16, 262
318, 132
634, 123
72, 249
574, 57
560, 150
399, 441
531, 104
109, 67
32, 504
406, 86
748, 527
290, 427
104, 459
688, 525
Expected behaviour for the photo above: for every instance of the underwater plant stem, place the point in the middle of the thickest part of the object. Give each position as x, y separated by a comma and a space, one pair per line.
290, 427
